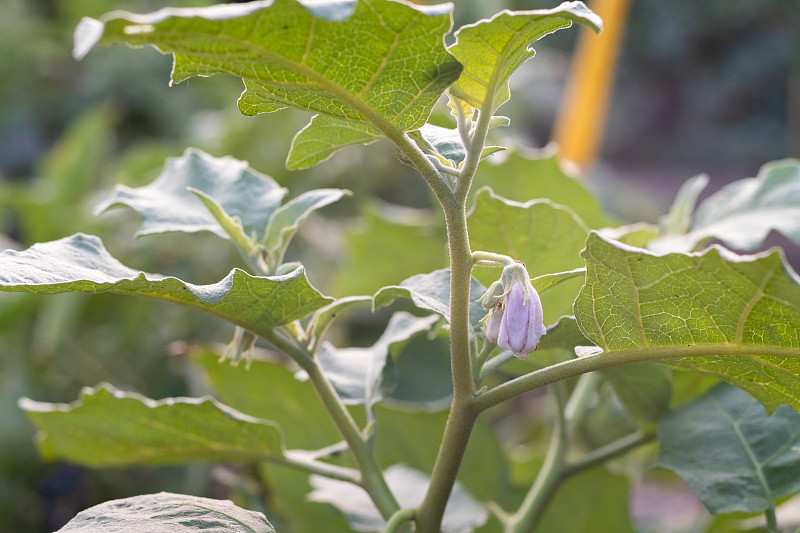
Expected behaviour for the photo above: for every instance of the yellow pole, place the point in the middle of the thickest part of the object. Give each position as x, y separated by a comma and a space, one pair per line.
579, 126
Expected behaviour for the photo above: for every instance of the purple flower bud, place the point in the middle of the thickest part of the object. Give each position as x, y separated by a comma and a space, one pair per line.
493, 324
522, 321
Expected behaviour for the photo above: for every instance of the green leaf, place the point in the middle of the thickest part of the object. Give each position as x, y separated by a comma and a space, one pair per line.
413, 437
424, 379
595, 500
737, 317
644, 388
323, 317
732, 455
491, 50
367, 375
677, 221
388, 246
323, 136
744, 212
463, 512
168, 204
372, 63
167, 513
522, 176
285, 220
272, 392
109, 427
432, 292
547, 237
80, 263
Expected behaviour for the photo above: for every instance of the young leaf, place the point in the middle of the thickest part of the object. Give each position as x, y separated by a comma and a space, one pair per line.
109, 427
491, 50
744, 212
285, 220
167, 513
737, 317
377, 64
81, 264
732, 455
168, 204
546, 237
432, 292
463, 512
366, 375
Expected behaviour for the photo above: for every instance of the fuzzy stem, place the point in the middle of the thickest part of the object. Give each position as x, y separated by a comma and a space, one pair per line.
371, 476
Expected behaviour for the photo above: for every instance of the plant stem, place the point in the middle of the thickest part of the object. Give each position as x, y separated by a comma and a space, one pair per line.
548, 478
399, 518
609, 451
372, 479
576, 367
302, 460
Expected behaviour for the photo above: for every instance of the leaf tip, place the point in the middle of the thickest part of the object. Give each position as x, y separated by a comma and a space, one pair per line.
87, 34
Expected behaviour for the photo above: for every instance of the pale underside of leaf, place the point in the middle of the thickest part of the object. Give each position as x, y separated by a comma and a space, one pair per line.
81, 264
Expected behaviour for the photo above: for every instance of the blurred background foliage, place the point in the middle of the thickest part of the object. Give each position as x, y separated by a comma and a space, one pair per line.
709, 87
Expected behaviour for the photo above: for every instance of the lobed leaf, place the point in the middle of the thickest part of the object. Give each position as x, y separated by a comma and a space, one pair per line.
373, 63
169, 203
284, 221
732, 455
167, 513
109, 427
737, 317
367, 375
744, 212
80, 263
432, 292
491, 50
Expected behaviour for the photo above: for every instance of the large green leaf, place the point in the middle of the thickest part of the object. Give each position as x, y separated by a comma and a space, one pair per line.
168, 204
108, 427
463, 512
272, 392
737, 317
375, 63
388, 246
522, 176
547, 237
732, 455
744, 212
80, 263
491, 50
167, 513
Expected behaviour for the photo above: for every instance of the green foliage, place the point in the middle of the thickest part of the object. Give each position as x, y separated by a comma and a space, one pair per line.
138, 430
167, 513
355, 427
732, 316
734, 456
82, 264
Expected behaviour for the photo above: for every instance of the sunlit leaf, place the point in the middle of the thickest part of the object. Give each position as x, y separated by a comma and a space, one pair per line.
737, 317
744, 212
373, 63
168, 204
109, 427
432, 292
81, 264
167, 513
732, 455
491, 50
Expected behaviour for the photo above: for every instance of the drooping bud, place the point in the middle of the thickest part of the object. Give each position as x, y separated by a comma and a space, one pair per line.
517, 321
